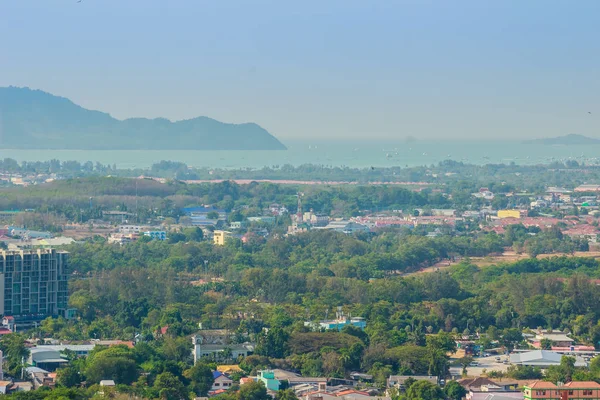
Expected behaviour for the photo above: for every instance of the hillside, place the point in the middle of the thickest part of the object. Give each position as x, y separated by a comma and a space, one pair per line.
33, 119
571, 139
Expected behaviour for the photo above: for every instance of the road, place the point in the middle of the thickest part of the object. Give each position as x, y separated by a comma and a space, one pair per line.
485, 363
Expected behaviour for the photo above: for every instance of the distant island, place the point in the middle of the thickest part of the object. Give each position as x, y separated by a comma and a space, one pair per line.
572, 139
33, 119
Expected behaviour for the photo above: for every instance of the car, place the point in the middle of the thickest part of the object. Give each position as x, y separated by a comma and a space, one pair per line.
474, 364
498, 359
486, 354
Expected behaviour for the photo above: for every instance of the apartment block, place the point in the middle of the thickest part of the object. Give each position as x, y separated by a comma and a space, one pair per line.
33, 284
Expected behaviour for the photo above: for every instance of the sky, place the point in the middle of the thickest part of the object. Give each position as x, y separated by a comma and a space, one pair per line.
323, 69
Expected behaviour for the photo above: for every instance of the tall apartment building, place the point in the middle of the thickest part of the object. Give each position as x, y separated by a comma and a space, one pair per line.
33, 284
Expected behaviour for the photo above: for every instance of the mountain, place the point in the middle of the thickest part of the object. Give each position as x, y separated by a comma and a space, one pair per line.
33, 119
571, 139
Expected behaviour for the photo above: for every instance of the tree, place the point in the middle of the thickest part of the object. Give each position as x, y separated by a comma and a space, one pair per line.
68, 377
253, 391
14, 351
464, 362
454, 391
273, 344
546, 344
201, 379
116, 363
286, 394
510, 337
169, 387
193, 234
424, 390
595, 365
563, 372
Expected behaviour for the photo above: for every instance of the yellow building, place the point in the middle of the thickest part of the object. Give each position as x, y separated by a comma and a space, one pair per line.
228, 369
509, 214
219, 237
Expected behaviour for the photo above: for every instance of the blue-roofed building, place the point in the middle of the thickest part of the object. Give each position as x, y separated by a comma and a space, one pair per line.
156, 235
338, 323
199, 215
221, 382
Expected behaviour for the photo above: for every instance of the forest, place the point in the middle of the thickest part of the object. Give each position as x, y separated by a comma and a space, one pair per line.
412, 319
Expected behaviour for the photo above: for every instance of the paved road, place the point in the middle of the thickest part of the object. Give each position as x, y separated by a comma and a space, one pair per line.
487, 363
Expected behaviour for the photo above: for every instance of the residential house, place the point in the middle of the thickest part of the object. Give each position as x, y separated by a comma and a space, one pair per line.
267, 377
587, 188
397, 381
221, 381
476, 386
569, 391
585, 232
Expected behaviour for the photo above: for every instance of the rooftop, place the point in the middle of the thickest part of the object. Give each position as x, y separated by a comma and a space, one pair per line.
542, 385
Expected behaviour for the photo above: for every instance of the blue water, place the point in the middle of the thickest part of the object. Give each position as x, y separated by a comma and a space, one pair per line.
330, 153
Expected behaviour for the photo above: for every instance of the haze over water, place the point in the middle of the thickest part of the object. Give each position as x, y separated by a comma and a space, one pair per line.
332, 153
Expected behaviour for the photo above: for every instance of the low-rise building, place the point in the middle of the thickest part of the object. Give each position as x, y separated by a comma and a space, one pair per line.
568, 391
509, 213
397, 381
156, 235
122, 238
220, 237
341, 320
267, 377
221, 381
219, 349
556, 337
344, 226
541, 358
130, 229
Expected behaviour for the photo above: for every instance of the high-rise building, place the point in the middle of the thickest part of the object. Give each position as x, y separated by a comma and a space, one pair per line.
33, 284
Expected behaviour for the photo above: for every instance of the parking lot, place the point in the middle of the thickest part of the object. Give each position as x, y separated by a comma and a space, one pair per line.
485, 363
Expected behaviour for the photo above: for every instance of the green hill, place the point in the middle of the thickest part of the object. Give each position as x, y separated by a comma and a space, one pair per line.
33, 119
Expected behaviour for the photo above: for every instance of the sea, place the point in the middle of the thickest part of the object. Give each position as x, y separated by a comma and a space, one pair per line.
339, 153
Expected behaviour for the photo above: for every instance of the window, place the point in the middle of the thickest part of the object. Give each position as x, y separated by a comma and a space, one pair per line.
217, 384
570, 393
587, 392
540, 392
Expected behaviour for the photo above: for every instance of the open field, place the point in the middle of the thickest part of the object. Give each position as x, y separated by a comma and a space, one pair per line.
506, 257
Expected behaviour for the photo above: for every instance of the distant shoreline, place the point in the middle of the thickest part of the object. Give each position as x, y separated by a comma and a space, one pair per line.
297, 182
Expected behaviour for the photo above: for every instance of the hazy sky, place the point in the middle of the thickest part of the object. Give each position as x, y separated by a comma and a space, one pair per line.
319, 68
